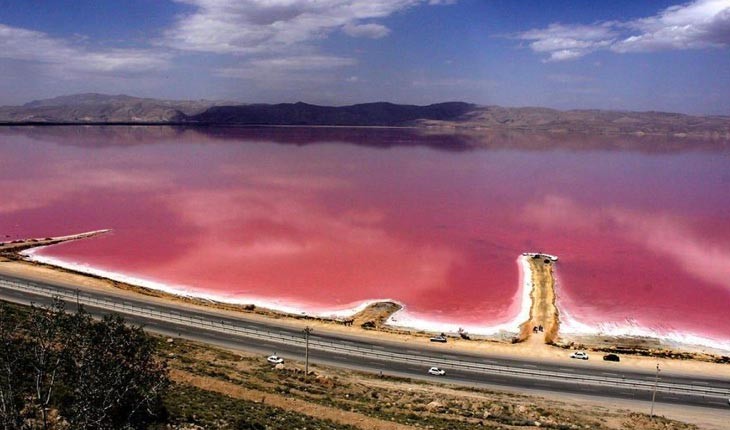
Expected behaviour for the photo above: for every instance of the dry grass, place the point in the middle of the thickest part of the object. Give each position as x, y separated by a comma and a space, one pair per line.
371, 402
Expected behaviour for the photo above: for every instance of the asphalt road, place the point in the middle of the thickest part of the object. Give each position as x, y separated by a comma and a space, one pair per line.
406, 361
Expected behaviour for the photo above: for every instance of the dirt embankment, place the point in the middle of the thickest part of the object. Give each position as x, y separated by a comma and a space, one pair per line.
16, 246
544, 321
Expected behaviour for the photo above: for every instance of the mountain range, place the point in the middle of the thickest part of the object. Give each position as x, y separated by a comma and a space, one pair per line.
121, 109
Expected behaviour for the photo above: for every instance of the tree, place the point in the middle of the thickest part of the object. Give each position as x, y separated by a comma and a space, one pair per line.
60, 370
116, 379
14, 385
45, 334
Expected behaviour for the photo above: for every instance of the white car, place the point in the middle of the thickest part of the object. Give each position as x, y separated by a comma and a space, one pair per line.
581, 355
274, 359
436, 371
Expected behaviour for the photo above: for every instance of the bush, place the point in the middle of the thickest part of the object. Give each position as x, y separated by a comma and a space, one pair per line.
68, 370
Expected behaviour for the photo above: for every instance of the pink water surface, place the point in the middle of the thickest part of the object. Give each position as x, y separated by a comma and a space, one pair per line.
324, 220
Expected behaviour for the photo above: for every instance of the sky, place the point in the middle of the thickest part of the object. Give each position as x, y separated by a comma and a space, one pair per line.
623, 54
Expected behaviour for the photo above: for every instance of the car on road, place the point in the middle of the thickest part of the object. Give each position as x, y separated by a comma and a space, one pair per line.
436, 371
439, 338
274, 359
611, 357
580, 355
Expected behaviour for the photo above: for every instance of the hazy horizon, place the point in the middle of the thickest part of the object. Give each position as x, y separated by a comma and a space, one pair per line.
669, 56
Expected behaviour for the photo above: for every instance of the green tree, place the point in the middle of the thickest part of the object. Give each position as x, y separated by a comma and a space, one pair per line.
14, 370
66, 371
115, 376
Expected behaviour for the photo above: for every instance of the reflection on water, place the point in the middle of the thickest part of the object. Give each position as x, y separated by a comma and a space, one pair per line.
327, 218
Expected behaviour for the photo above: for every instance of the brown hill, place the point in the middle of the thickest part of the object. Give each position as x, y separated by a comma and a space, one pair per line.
589, 121
462, 117
101, 108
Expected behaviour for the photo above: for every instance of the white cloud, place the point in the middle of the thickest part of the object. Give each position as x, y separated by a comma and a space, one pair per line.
372, 31
303, 62
695, 25
256, 26
64, 56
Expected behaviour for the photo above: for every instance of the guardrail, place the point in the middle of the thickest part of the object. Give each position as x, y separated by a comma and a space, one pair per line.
239, 329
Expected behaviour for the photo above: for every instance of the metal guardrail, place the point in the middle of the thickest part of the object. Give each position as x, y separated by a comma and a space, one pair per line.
238, 329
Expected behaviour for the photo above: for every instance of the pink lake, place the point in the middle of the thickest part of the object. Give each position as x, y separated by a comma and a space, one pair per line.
320, 221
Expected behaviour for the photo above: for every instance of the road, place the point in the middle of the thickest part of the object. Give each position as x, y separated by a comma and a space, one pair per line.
384, 356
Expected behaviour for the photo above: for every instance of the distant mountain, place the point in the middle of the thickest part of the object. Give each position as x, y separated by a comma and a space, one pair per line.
102, 108
453, 116
591, 121
368, 114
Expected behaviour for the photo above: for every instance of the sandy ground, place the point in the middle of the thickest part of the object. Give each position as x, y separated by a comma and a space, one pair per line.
543, 312
285, 402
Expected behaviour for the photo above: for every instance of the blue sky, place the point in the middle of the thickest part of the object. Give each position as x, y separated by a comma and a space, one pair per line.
634, 55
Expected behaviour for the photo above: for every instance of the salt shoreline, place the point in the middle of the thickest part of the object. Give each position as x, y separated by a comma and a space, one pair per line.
674, 339
398, 320
569, 326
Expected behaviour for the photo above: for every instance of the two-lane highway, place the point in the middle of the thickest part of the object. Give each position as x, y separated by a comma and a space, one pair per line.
384, 356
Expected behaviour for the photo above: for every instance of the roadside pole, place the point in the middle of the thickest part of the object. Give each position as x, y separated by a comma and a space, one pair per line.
653, 394
307, 331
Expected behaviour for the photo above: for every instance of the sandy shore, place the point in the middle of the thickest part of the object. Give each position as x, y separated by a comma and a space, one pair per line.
370, 322
543, 312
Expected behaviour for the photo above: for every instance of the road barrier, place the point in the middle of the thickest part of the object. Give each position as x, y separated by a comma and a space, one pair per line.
238, 328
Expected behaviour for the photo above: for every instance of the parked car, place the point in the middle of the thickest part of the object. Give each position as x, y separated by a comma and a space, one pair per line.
436, 371
611, 357
274, 359
580, 355
439, 338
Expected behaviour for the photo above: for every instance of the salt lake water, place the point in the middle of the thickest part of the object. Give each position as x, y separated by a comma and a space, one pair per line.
324, 220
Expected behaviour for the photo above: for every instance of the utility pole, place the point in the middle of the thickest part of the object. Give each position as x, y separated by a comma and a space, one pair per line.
653, 395
307, 331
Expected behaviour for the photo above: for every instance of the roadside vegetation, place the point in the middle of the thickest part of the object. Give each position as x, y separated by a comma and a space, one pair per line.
371, 401
67, 371
62, 370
